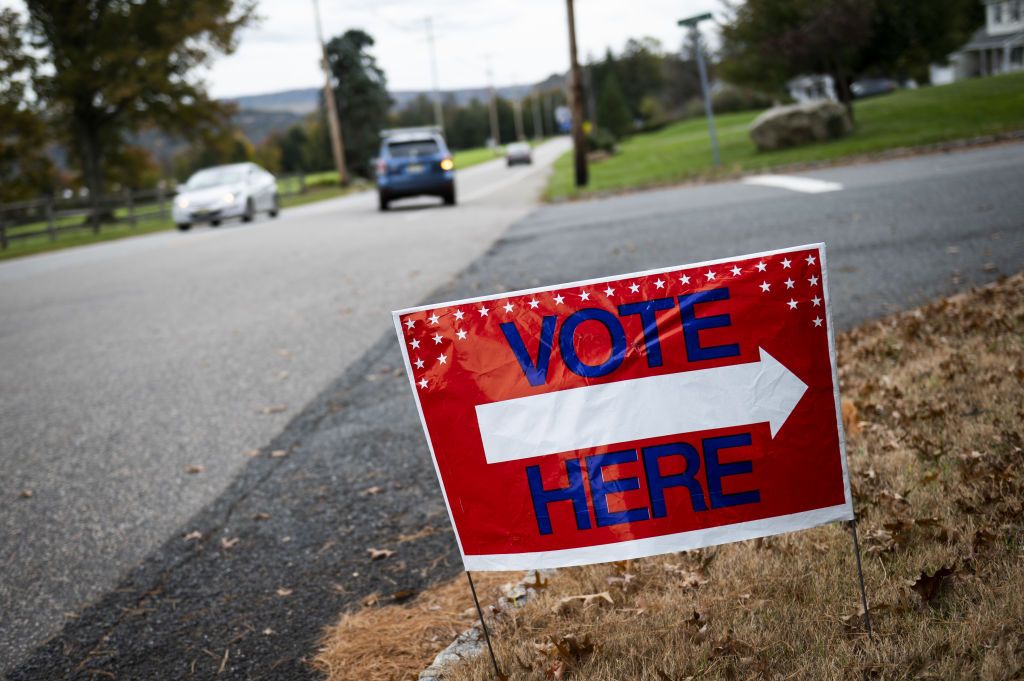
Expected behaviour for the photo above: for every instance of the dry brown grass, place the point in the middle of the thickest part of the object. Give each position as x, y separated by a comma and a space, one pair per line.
396, 642
936, 472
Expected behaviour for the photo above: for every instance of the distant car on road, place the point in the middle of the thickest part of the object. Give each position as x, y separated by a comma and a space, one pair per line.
518, 152
873, 87
240, 190
414, 162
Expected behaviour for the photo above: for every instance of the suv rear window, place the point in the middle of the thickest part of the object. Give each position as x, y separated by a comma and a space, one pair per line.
413, 149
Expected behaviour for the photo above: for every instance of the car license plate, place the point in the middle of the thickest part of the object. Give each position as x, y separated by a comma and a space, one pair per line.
414, 168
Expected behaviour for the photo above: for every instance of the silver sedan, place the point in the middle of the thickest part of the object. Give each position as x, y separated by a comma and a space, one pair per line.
240, 190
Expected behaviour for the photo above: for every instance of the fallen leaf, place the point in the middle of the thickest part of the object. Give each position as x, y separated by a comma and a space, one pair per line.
403, 595
268, 632
567, 603
538, 583
273, 409
573, 650
26, 494
282, 592
380, 554
372, 599
928, 587
284, 352
194, 534
371, 491
228, 543
262, 515
278, 453
851, 418
425, 532
251, 453
982, 538
194, 468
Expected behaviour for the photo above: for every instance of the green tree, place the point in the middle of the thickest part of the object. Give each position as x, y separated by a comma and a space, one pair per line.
25, 170
612, 112
360, 89
767, 42
119, 65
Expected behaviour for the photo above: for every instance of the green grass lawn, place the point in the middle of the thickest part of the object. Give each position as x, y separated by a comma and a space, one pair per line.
908, 118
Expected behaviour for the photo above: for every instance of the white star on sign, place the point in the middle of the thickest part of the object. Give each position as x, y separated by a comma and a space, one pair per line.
813, 281
659, 284
609, 291
419, 363
810, 260
792, 304
423, 383
409, 323
482, 311
442, 359
789, 283
559, 299
817, 321
685, 279
415, 344
765, 286
710, 275
534, 304
785, 263
438, 338
508, 307
816, 300
584, 296
459, 314
761, 267
433, 318
634, 287
461, 334
735, 271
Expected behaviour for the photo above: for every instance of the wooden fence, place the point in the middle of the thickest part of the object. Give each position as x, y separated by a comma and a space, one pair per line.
50, 217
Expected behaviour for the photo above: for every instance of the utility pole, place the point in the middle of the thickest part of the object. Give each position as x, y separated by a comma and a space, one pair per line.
538, 130
579, 139
333, 122
691, 23
518, 109
495, 132
438, 113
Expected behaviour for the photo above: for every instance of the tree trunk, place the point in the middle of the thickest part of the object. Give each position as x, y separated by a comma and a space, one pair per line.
89, 150
844, 92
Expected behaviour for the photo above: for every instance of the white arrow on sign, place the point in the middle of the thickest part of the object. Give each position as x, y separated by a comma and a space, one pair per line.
640, 408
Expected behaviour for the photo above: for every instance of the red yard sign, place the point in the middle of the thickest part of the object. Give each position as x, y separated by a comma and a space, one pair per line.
633, 415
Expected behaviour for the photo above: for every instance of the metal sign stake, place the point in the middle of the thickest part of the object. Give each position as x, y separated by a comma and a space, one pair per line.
483, 625
860, 575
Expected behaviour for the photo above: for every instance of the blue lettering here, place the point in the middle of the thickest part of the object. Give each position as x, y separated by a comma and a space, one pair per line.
576, 492
536, 372
601, 488
693, 325
657, 483
717, 470
567, 336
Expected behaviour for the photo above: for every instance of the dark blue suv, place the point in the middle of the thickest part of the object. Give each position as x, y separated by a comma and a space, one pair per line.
414, 162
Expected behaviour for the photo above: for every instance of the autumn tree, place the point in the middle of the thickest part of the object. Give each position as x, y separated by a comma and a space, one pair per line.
25, 170
362, 96
119, 65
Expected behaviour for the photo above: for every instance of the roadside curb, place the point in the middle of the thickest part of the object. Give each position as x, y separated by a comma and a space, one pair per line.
896, 153
470, 643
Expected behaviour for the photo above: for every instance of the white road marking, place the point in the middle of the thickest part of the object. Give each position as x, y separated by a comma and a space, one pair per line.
806, 185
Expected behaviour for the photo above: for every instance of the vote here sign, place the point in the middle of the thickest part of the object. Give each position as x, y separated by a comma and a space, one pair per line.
633, 415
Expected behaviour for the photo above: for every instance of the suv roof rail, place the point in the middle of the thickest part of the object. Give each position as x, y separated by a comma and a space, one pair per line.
401, 132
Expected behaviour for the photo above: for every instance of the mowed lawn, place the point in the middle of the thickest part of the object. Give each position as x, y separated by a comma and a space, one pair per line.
908, 118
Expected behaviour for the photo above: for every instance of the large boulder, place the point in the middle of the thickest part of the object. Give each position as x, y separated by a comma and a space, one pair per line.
798, 124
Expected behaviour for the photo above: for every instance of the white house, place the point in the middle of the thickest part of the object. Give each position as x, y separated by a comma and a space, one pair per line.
996, 48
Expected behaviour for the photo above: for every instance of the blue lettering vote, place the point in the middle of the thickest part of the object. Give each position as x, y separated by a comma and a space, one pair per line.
567, 344
536, 371
693, 325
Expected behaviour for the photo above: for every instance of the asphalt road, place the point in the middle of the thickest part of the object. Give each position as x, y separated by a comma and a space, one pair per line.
357, 474
126, 362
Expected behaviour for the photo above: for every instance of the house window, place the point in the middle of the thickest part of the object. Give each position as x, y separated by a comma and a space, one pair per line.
997, 13
1015, 11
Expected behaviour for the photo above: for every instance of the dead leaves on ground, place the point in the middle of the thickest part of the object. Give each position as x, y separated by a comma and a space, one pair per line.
380, 554
271, 409
929, 587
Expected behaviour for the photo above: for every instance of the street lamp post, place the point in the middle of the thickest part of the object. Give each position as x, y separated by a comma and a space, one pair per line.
692, 24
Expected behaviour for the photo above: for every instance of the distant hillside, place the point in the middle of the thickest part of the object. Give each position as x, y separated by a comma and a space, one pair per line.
306, 100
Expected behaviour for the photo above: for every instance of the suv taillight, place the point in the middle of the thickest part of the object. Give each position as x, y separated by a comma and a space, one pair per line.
382, 167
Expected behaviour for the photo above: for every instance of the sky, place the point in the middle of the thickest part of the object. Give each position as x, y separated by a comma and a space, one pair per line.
523, 41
